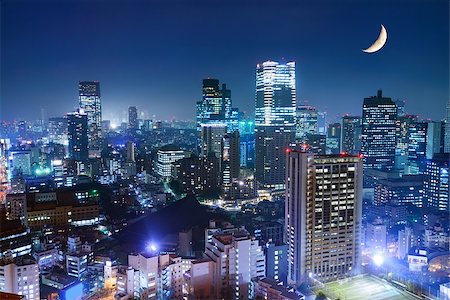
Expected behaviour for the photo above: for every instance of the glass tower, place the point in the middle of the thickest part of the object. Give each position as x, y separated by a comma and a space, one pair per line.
90, 103
274, 120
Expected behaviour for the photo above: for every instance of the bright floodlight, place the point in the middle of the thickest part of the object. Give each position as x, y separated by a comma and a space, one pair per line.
152, 247
378, 260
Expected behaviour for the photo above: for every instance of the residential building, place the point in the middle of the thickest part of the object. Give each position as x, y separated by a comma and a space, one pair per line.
322, 209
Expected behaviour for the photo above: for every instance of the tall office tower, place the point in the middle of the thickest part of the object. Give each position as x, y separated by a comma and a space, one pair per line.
57, 130
316, 144
90, 103
378, 139
216, 104
447, 130
133, 118
417, 147
437, 182
130, 152
402, 132
212, 106
230, 157
77, 129
322, 123
211, 139
274, 120
435, 138
215, 109
247, 137
334, 138
20, 276
306, 122
350, 136
322, 216
400, 107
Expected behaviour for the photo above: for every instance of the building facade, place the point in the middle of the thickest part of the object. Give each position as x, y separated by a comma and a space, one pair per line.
378, 139
274, 120
90, 103
322, 216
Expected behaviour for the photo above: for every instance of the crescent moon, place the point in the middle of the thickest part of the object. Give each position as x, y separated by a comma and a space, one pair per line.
379, 43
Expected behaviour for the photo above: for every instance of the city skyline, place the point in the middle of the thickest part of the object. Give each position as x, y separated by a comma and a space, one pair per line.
136, 71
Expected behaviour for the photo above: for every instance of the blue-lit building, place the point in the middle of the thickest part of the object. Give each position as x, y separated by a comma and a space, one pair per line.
275, 104
90, 104
78, 135
276, 261
350, 135
247, 143
437, 188
417, 147
400, 191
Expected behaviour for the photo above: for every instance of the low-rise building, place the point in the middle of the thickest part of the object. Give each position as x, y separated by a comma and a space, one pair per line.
20, 276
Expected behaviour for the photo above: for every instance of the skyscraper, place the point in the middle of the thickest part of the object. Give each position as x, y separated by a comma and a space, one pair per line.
378, 139
211, 139
306, 122
57, 130
351, 130
89, 96
274, 120
437, 182
133, 118
322, 216
230, 157
77, 128
435, 138
417, 147
334, 138
215, 109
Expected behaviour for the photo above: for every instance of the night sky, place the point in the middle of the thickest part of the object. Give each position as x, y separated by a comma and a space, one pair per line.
154, 54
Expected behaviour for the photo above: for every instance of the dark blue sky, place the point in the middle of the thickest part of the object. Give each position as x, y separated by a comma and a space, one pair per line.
154, 54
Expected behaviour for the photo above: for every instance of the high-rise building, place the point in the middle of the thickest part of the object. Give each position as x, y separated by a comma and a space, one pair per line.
211, 139
306, 122
322, 122
20, 276
274, 120
435, 138
77, 128
405, 242
133, 118
57, 130
334, 138
322, 216
151, 276
316, 144
247, 140
237, 259
417, 147
90, 103
401, 151
378, 139
214, 115
407, 189
437, 183
165, 156
400, 107
230, 157
350, 136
